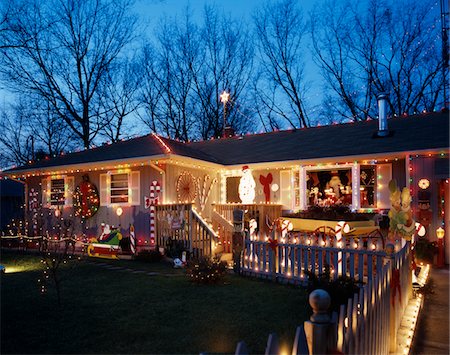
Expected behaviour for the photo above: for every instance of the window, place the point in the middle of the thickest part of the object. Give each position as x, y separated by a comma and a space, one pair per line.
328, 187
120, 188
57, 191
367, 186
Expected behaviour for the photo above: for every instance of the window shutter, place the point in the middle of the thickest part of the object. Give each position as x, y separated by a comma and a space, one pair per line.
104, 188
134, 188
45, 187
69, 190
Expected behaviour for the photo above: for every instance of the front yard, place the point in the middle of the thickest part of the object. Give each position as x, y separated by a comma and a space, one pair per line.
118, 311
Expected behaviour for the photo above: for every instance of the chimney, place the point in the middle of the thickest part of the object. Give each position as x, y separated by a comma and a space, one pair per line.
382, 115
228, 132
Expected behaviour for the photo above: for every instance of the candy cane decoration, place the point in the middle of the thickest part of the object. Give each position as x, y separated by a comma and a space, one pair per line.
341, 227
151, 203
204, 192
132, 240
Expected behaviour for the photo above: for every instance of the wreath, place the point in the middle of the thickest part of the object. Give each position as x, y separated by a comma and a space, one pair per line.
186, 191
85, 199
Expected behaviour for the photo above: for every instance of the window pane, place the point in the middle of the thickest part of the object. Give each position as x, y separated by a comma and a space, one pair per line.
57, 192
367, 186
329, 187
119, 188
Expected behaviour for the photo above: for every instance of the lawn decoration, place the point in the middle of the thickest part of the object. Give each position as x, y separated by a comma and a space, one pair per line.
85, 199
400, 215
107, 244
204, 191
186, 189
265, 182
341, 227
247, 186
132, 240
151, 203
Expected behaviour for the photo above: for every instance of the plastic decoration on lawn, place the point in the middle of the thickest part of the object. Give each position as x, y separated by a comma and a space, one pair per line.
186, 189
204, 190
85, 199
107, 244
265, 182
401, 222
151, 203
247, 186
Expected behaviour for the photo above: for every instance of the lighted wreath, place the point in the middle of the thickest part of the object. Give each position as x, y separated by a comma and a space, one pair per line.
85, 199
186, 191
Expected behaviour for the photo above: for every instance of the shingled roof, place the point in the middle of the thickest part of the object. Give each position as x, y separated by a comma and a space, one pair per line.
413, 133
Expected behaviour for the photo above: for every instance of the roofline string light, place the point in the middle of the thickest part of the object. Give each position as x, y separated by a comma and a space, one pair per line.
162, 143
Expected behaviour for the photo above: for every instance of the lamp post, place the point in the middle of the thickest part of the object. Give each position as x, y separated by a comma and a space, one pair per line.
224, 97
440, 235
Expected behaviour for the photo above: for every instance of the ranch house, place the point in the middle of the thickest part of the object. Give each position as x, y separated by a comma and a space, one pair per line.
169, 189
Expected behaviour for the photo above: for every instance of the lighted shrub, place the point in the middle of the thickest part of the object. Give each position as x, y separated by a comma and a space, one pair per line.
206, 270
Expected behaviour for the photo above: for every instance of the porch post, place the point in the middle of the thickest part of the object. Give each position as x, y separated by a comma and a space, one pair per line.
237, 239
319, 330
302, 183
356, 200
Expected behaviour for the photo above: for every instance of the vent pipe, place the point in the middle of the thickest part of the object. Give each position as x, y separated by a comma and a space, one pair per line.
382, 115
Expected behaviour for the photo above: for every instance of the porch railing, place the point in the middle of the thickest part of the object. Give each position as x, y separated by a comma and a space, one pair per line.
182, 223
260, 212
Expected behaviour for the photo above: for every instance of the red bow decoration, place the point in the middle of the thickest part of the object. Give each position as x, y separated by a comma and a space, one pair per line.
395, 285
273, 243
265, 182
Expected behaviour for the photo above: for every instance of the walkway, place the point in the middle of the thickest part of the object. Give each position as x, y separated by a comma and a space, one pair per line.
432, 334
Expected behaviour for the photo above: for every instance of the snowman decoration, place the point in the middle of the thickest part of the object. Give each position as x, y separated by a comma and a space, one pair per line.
247, 186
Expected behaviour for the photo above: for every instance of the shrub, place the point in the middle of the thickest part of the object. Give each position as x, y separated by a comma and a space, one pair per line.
175, 248
340, 290
425, 250
332, 213
206, 270
149, 256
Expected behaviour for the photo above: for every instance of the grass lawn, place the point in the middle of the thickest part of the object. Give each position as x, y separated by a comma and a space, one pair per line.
112, 311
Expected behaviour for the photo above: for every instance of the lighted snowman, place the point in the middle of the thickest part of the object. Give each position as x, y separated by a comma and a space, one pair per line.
247, 186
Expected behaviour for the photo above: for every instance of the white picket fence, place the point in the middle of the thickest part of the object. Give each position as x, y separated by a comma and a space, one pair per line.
369, 322
360, 259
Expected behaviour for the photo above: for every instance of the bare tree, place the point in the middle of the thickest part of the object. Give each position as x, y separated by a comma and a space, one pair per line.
227, 65
120, 98
16, 140
281, 86
68, 48
366, 49
185, 72
31, 131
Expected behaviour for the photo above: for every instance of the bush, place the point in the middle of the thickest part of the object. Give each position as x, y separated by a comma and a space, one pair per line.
206, 270
175, 248
425, 250
332, 213
340, 290
151, 256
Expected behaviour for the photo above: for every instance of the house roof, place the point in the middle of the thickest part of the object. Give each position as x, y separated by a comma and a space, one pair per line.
413, 133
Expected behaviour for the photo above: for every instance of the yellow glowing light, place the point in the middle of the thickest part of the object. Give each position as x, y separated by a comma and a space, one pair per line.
119, 211
224, 97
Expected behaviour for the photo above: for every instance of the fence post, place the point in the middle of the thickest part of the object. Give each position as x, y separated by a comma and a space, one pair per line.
237, 239
390, 257
319, 330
